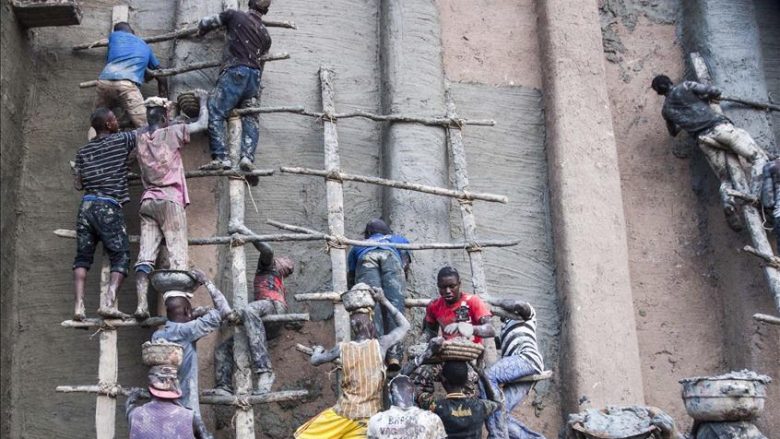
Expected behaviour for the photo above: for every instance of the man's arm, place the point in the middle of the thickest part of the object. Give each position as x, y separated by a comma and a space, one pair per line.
396, 335
207, 24
162, 86
132, 402
672, 128
203, 116
430, 330
485, 328
704, 91
266, 258
320, 356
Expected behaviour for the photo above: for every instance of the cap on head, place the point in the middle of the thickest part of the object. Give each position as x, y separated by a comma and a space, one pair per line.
376, 226
164, 382
260, 5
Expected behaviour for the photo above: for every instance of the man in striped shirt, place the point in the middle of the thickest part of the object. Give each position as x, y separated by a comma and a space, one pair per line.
519, 357
101, 172
363, 366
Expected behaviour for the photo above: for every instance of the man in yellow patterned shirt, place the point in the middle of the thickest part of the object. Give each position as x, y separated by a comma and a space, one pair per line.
363, 366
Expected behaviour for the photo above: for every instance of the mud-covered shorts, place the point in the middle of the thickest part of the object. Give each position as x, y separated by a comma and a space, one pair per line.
102, 220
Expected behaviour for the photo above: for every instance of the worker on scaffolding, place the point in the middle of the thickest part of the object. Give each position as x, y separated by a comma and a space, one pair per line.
404, 420
165, 193
687, 107
383, 267
269, 299
127, 61
100, 170
363, 372
520, 357
463, 415
457, 314
163, 417
239, 82
770, 195
184, 329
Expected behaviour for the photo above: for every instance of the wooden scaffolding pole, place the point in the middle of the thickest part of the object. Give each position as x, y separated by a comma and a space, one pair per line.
751, 215
335, 199
108, 362
242, 372
338, 175
458, 155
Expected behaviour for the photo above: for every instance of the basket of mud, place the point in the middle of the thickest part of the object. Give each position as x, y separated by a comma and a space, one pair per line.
457, 349
172, 280
613, 423
189, 104
359, 296
735, 396
162, 353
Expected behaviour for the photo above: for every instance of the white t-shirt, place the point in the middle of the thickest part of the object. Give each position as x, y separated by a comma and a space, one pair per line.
410, 423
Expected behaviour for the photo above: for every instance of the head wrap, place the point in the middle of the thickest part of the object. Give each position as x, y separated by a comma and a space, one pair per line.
156, 101
173, 293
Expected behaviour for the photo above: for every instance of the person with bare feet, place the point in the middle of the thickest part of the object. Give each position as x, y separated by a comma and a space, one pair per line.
363, 366
269, 299
182, 328
100, 170
165, 192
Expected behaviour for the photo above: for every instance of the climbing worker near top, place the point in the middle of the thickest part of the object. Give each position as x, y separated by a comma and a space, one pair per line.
165, 192
183, 329
363, 368
127, 60
100, 170
269, 299
520, 357
239, 82
457, 314
163, 417
687, 107
770, 195
382, 267
461, 414
404, 420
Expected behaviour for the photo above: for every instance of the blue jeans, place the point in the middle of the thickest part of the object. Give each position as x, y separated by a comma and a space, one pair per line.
234, 86
383, 269
501, 424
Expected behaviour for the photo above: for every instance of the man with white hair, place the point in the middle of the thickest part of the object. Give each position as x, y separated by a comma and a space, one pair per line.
165, 191
183, 329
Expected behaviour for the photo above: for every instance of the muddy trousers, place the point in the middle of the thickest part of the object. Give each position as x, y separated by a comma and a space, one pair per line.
125, 95
383, 269
252, 317
726, 136
101, 220
162, 219
504, 372
236, 86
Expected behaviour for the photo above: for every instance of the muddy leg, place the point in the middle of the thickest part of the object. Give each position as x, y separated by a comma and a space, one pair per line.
108, 298
79, 279
716, 157
142, 288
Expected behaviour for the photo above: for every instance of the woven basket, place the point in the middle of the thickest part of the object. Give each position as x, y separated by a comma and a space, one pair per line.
162, 353
457, 349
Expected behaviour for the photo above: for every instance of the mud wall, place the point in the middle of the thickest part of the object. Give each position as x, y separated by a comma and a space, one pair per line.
14, 94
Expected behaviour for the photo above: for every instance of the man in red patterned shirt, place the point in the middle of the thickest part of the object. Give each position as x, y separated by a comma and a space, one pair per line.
269, 299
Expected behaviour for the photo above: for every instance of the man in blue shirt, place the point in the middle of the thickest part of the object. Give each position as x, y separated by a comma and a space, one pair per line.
126, 63
383, 267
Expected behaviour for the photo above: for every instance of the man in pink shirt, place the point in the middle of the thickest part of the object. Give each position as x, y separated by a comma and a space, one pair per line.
165, 191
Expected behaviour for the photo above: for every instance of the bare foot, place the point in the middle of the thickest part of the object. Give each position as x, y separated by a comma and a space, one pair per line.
79, 314
141, 314
111, 313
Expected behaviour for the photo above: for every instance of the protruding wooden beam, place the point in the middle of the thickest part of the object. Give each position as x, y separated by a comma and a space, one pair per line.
236, 239
157, 321
248, 400
766, 318
338, 175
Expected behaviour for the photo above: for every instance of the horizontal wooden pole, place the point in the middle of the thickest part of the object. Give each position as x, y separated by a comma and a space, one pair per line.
546, 375
768, 106
415, 302
103, 390
220, 240
244, 400
181, 33
217, 173
770, 260
157, 321
399, 118
741, 195
338, 240
258, 110
463, 195
190, 67
766, 318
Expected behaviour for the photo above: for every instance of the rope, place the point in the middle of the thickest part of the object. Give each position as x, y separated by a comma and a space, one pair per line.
334, 175
109, 389
473, 247
251, 197
335, 241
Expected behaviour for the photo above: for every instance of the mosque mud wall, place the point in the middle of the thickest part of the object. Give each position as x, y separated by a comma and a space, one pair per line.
690, 291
